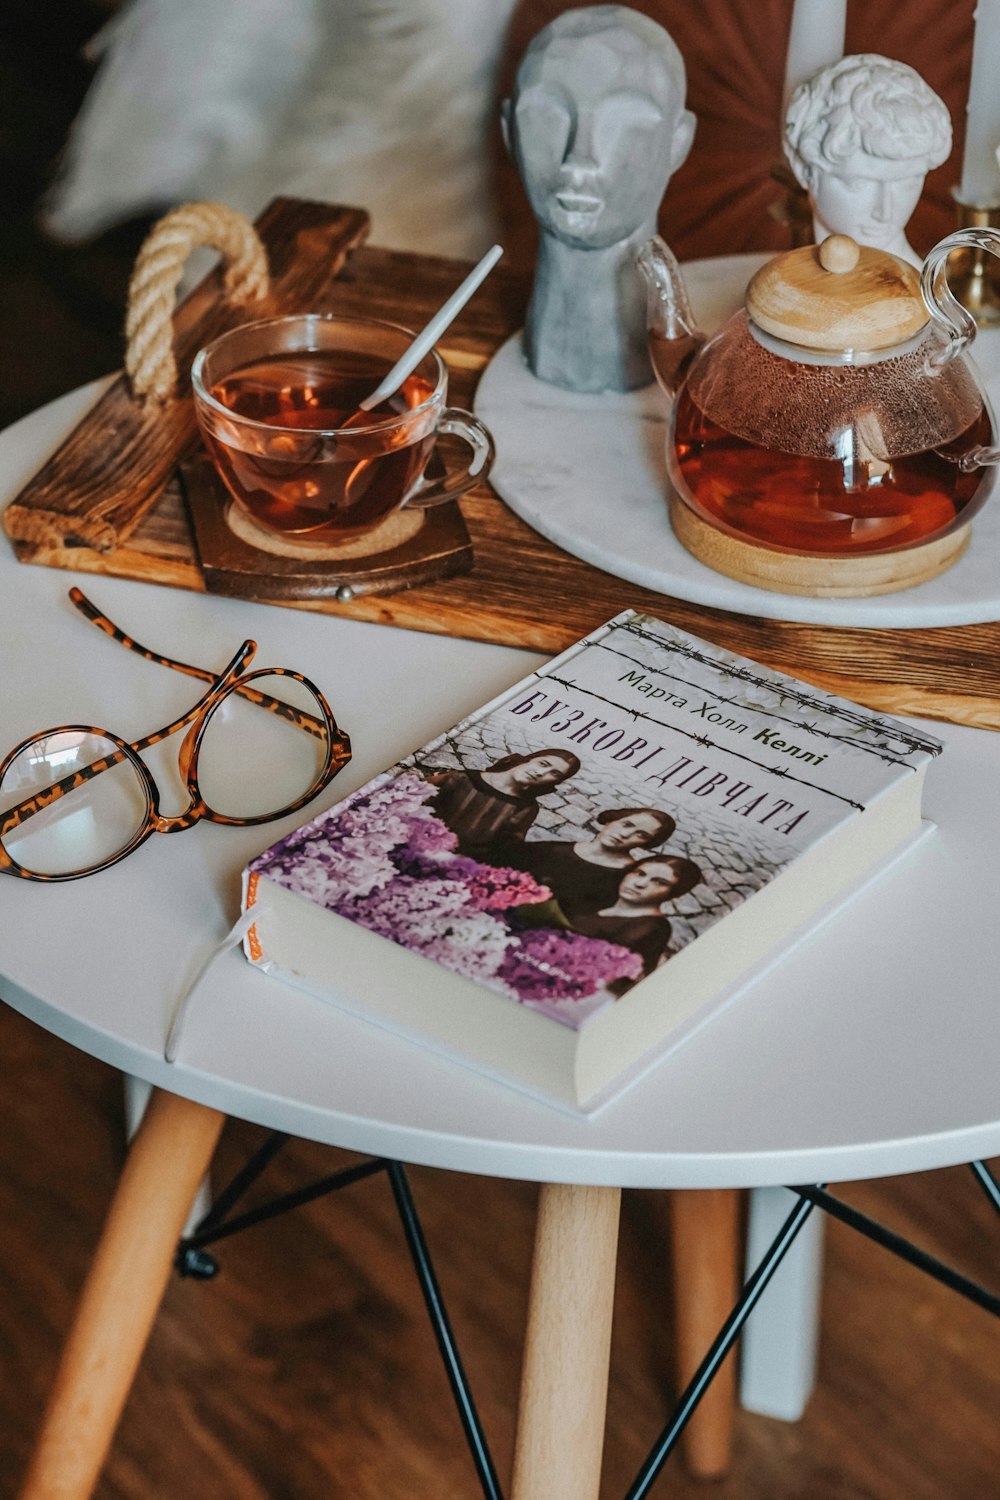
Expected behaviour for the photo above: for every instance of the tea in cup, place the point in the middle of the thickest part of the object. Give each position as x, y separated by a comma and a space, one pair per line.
278, 403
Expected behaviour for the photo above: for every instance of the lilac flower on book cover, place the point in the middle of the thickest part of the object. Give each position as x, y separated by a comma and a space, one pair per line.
571, 837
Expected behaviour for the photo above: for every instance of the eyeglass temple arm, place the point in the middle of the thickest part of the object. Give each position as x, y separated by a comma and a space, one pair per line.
15, 816
296, 716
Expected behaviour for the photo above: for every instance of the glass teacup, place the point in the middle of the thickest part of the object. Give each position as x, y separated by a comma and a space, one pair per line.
278, 402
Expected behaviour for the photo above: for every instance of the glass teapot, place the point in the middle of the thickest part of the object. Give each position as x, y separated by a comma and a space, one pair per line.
834, 416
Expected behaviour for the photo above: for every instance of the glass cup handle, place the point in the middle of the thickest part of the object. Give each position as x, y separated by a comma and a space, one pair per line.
454, 422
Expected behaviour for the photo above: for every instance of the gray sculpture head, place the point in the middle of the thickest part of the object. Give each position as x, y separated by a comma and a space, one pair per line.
596, 124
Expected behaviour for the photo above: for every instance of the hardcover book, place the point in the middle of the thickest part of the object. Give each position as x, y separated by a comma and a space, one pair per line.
560, 887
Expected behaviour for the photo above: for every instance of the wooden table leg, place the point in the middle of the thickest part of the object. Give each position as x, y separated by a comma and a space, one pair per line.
125, 1284
564, 1379
704, 1236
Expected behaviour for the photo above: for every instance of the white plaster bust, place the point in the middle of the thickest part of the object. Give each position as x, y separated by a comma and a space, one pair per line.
860, 136
596, 124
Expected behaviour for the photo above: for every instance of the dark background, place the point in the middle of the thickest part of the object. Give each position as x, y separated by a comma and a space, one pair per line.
62, 307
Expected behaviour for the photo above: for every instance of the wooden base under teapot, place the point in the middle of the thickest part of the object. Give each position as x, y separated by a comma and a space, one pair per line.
819, 577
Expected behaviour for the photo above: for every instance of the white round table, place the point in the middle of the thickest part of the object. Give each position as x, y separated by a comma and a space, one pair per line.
873, 1049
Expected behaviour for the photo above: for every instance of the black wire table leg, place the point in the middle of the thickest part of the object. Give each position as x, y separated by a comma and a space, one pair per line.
286, 1203
726, 1337
193, 1261
902, 1248
987, 1182
244, 1178
474, 1434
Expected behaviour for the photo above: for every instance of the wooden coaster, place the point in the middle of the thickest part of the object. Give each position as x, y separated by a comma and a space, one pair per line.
244, 560
396, 529
820, 577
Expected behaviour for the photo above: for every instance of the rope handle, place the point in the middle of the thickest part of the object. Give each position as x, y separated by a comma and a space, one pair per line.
152, 291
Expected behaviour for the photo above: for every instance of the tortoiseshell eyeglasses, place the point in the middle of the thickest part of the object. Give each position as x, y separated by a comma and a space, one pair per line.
77, 799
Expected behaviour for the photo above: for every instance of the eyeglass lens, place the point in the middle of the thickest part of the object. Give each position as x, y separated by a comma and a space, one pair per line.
88, 824
263, 749
253, 760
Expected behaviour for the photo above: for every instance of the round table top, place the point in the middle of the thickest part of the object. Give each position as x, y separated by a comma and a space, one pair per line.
872, 1048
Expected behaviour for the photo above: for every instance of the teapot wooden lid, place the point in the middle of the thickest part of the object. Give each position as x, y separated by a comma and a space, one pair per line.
838, 296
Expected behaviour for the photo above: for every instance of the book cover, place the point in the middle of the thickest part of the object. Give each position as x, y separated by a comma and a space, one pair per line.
588, 861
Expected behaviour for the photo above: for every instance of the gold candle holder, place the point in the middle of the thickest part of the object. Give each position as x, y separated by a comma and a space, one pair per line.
974, 275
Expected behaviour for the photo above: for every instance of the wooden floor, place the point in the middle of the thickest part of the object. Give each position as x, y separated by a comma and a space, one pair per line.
307, 1371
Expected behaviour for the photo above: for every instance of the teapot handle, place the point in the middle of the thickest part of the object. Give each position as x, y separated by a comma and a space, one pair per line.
951, 318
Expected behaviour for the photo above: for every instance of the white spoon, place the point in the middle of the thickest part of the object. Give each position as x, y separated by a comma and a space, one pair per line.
433, 331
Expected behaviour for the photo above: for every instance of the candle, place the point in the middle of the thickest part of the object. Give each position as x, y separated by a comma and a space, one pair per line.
816, 38
980, 174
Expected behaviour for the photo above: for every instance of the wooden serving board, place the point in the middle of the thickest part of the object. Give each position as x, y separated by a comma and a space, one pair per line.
111, 470
524, 591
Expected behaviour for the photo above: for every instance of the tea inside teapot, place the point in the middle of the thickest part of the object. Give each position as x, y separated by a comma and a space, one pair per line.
827, 458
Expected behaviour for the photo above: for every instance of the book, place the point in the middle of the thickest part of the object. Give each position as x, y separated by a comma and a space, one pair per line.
561, 886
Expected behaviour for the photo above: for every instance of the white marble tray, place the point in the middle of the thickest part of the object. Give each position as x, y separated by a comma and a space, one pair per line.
589, 473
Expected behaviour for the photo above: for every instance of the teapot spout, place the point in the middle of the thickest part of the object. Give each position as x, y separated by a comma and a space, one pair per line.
674, 339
